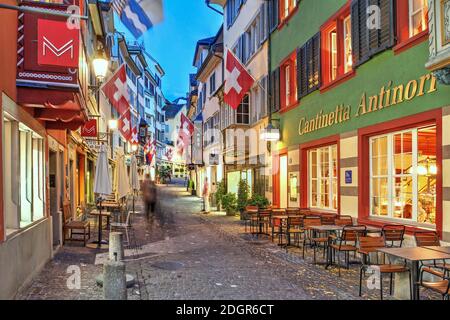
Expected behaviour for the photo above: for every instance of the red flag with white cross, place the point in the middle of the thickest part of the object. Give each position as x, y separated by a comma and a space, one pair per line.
185, 133
116, 90
134, 136
125, 125
237, 81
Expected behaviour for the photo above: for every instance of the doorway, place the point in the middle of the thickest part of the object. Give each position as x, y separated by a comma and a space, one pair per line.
53, 195
283, 181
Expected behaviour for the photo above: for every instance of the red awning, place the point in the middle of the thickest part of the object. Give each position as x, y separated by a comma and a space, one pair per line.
59, 109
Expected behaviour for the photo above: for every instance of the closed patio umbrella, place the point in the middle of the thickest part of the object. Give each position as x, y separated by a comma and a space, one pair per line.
135, 186
123, 184
102, 187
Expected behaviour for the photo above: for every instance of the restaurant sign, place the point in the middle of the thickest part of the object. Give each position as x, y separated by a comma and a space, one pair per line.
388, 97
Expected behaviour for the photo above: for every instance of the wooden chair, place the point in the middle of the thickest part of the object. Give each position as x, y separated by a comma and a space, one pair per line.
347, 242
328, 219
294, 227
344, 221
264, 220
368, 245
441, 286
249, 218
393, 235
309, 222
292, 211
75, 228
431, 239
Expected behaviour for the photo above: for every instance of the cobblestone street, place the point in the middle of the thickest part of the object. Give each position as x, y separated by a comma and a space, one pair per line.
183, 254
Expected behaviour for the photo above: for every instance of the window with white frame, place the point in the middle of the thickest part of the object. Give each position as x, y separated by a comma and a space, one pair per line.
403, 175
243, 111
212, 83
322, 165
333, 55
24, 175
348, 57
287, 73
417, 16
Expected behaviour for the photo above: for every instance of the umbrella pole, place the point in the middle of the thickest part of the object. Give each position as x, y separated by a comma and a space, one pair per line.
99, 245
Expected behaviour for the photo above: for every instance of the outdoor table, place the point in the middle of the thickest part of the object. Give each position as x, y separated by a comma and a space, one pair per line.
282, 218
440, 249
100, 244
415, 255
328, 229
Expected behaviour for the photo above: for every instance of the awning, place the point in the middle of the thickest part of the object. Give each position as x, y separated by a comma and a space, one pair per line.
59, 109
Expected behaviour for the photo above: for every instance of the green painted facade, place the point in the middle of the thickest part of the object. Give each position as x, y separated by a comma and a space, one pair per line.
370, 77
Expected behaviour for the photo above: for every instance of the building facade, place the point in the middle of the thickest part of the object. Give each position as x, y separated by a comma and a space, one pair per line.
363, 121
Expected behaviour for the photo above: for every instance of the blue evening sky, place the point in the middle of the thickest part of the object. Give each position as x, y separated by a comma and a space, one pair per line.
173, 41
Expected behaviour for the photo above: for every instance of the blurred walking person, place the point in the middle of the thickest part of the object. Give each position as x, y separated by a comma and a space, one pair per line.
205, 195
149, 195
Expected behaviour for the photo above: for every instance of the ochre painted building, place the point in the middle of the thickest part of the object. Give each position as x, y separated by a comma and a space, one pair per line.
365, 127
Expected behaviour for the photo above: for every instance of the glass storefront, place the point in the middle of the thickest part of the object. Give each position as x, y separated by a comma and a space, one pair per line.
403, 175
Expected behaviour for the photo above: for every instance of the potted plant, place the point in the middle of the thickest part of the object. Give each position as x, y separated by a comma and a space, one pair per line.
192, 187
220, 192
242, 196
259, 201
229, 203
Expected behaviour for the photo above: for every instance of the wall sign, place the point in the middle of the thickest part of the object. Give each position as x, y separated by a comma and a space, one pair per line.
89, 129
57, 44
348, 176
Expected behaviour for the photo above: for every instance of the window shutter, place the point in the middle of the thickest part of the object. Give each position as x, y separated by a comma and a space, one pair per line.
368, 42
302, 74
315, 70
277, 89
273, 14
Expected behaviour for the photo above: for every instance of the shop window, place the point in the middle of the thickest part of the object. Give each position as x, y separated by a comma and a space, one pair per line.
308, 67
243, 111
24, 175
403, 175
336, 46
288, 83
369, 41
412, 23
323, 181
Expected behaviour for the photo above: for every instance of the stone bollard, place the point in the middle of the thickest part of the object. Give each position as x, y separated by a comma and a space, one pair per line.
116, 246
114, 281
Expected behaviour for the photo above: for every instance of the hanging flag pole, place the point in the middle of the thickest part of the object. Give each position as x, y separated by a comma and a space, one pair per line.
27, 9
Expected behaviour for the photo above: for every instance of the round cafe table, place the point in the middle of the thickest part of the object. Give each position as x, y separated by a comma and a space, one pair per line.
99, 244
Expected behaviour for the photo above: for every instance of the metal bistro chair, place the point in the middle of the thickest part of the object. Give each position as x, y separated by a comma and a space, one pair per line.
249, 217
393, 235
441, 286
308, 222
264, 221
431, 239
347, 242
294, 227
368, 245
328, 219
126, 226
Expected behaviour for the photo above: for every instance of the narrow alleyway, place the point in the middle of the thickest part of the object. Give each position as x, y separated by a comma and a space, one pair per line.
182, 254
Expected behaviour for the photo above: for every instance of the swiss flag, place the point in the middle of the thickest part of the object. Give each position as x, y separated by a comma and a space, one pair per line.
116, 90
185, 133
125, 125
134, 136
237, 81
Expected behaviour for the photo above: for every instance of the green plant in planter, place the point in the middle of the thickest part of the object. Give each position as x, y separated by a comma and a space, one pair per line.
220, 192
259, 201
242, 195
229, 203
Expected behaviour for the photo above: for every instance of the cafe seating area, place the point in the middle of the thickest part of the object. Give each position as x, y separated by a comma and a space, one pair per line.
340, 242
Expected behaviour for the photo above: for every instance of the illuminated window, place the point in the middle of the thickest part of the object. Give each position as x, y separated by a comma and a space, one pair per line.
348, 57
323, 192
403, 175
286, 8
333, 55
417, 16
337, 55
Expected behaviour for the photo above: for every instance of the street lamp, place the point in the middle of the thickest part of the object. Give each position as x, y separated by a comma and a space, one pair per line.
134, 147
270, 134
113, 124
100, 64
